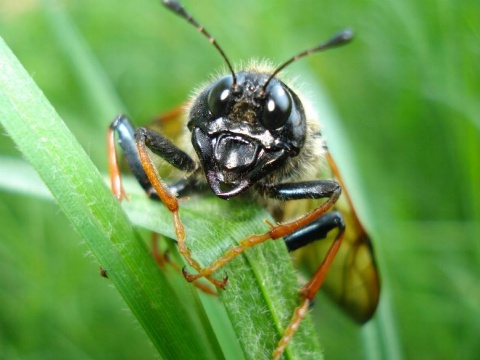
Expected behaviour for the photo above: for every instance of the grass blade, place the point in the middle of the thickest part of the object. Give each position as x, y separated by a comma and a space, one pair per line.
82, 195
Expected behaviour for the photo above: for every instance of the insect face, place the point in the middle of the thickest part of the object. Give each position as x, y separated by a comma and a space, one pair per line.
242, 132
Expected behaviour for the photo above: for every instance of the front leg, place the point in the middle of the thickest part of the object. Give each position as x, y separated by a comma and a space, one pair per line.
289, 191
146, 138
126, 133
134, 143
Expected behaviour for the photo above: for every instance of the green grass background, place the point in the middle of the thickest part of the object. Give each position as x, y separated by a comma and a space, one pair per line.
406, 94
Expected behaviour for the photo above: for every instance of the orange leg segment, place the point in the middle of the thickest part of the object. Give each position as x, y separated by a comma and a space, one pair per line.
171, 202
113, 168
275, 232
308, 294
162, 259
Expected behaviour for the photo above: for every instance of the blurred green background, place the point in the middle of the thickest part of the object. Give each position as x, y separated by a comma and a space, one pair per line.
407, 96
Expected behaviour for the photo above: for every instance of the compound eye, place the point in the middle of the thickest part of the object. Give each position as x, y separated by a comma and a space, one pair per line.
277, 109
219, 95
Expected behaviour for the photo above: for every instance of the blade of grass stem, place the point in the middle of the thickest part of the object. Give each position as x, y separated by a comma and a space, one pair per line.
83, 196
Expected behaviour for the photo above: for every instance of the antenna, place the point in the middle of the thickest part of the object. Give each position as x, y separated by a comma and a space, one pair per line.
341, 38
178, 9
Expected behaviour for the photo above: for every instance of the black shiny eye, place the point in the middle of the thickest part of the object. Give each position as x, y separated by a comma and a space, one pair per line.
219, 95
277, 108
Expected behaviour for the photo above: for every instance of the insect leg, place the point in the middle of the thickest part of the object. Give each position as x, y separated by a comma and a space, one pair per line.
312, 189
317, 230
126, 138
163, 258
164, 148
146, 138
304, 236
134, 144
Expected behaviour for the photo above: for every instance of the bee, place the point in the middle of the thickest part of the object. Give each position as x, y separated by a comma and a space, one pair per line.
249, 134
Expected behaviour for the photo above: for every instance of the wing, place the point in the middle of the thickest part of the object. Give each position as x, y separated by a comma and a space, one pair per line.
352, 281
170, 123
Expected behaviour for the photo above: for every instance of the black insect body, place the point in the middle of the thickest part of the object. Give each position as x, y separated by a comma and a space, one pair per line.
250, 134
